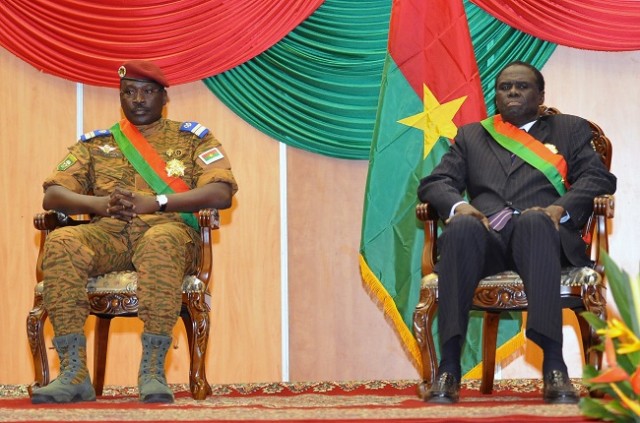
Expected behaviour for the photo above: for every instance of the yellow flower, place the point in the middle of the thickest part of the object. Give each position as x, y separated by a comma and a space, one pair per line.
620, 342
629, 347
612, 330
629, 342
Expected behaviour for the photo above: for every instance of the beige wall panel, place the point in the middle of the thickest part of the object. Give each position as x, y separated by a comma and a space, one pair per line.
246, 334
603, 87
33, 137
336, 330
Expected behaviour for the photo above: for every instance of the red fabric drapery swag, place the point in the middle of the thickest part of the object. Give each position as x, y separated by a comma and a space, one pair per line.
190, 39
608, 25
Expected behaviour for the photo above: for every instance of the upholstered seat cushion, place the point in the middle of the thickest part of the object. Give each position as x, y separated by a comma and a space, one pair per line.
127, 282
570, 277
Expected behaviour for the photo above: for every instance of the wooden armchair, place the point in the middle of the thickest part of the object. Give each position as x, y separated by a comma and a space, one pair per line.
114, 295
581, 288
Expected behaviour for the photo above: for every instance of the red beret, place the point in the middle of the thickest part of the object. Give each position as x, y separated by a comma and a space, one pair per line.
142, 70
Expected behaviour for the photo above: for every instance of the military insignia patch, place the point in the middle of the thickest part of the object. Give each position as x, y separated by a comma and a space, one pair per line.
195, 128
211, 156
67, 162
106, 149
98, 133
552, 148
175, 168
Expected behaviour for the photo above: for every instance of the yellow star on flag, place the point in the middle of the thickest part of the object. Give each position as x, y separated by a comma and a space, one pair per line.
436, 120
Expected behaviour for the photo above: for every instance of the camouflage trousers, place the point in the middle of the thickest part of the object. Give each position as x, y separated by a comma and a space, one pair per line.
161, 254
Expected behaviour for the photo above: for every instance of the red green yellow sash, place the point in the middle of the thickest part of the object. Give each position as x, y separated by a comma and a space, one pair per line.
529, 149
148, 163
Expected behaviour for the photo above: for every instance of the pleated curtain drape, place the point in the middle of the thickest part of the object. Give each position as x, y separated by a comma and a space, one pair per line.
305, 72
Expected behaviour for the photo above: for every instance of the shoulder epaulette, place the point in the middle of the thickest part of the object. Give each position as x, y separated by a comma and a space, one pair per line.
93, 134
195, 128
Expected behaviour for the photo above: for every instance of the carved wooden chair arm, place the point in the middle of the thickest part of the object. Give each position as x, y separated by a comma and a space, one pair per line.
604, 205
428, 215
52, 219
603, 210
425, 212
209, 218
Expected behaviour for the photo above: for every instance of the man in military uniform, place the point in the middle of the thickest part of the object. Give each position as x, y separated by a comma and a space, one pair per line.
141, 180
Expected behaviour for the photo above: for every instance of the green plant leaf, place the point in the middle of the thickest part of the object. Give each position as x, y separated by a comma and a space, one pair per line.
588, 371
619, 282
622, 413
626, 361
596, 409
634, 358
616, 407
593, 320
625, 387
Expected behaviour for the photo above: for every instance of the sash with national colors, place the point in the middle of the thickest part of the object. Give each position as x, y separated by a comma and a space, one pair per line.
529, 149
148, 163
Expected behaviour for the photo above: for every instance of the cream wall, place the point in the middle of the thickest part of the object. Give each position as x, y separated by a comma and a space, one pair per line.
603, 87
335, 330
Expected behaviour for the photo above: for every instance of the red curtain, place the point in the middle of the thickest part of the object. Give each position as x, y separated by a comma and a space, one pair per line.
86, 41
609, 25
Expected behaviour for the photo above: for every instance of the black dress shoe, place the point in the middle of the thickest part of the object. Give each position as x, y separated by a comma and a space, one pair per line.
444, 390
558, 389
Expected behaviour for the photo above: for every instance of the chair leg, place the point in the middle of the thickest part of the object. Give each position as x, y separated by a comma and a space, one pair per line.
423, 317
35, 335
100, 343
489, 338
195, 315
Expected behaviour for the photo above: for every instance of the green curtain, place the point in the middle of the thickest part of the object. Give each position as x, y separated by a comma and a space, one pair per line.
317, 89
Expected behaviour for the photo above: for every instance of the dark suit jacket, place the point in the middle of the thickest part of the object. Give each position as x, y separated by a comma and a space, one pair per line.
478, 164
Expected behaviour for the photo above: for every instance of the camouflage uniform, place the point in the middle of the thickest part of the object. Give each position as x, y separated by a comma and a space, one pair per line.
159, 246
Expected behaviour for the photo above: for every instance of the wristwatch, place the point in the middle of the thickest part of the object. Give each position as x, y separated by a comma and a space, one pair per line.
162, 201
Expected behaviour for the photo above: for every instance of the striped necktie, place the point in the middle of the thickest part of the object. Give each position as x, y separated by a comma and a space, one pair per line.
498, 220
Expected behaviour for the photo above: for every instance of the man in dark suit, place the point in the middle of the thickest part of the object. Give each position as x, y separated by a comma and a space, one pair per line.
530, 181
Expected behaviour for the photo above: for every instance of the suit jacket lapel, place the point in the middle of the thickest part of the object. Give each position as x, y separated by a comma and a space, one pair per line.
502, 155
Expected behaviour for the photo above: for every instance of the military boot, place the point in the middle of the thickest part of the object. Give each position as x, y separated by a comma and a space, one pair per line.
73, 384
152, 383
